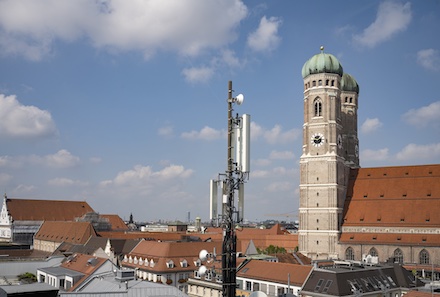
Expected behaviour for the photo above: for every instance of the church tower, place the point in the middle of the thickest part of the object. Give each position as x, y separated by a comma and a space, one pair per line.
330, 146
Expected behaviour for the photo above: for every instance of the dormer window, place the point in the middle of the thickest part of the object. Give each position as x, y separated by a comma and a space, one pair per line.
183, 263
197, 263
152, 263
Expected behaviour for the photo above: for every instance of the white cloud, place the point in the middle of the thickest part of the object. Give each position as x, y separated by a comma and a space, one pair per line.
196, 75
66, 182
424, 116
207, 133
391, 18
229, 58
371, 125
429, 59
5, 178
420, 152
265, 38
61, 159
374, 155
259, 173
166, 131
30, 28
279, 186
21, 121
284, 155
277, 135
261, 162
143, 180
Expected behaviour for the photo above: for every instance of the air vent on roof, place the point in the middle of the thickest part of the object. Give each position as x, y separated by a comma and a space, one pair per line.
92, 261
125, 275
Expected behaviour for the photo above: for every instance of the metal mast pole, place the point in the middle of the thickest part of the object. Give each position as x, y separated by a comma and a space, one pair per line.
229, 237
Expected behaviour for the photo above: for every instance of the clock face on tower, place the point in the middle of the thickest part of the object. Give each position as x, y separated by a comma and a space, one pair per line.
317, 139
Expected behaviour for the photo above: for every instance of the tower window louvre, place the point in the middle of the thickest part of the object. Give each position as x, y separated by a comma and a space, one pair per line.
318, 108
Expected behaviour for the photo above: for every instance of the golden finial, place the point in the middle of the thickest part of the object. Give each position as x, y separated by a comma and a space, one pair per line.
322, 48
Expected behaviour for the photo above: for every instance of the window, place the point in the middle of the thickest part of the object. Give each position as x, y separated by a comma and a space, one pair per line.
314, 83
373, 252
398, 256
248, 286
318, 285
349, 254
327, 286
319, 82
318, 107
424, 257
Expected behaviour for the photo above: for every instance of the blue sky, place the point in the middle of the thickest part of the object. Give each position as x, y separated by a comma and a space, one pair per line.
123, 103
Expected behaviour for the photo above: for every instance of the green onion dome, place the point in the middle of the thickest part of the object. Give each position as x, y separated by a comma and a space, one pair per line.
322, 63
349, 84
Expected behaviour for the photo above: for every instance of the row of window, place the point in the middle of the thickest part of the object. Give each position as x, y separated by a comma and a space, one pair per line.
318, 105
151, 263
397, 255
319, 83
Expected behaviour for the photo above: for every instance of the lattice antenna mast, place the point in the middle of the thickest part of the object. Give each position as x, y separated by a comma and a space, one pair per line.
232, 181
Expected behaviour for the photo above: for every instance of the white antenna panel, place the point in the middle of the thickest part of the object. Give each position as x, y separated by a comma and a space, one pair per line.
213, 204
240, 202
245, 143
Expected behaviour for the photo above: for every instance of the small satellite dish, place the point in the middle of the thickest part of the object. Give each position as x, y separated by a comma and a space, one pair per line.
203, 255
239, 99
258, 294
202, 270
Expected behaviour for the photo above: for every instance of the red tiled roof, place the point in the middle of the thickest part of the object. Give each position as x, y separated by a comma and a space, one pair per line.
275, 272
163, 252
406, 196
84, 264
46, 210
73, 232
116, 221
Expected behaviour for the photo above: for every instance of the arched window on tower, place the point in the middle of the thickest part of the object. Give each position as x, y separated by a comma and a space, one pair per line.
424, 257
349, 254
373, 252
398, 256
318, 107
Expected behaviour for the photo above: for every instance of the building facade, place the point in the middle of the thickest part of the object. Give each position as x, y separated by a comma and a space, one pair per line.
348, 212
330, 149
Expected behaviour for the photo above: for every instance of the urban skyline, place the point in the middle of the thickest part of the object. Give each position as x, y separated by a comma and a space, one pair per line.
112, 103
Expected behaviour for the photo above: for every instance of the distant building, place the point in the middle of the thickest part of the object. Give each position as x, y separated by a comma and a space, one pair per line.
75, 271
20, 219
123, 283
272, 278
168, 262
345, 278
53, 233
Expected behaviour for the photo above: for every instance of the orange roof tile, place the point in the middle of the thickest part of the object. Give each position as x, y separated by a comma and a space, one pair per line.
162, 252
73, 232
46, 210
406, 196
275, 272
115, 221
